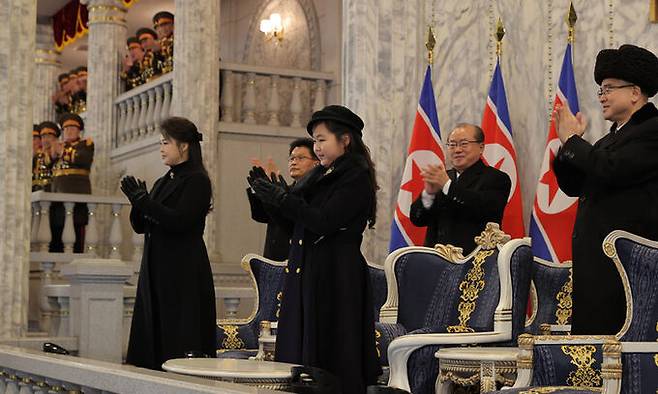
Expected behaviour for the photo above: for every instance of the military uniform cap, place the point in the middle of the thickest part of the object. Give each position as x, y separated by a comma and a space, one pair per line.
62, 77
162, 15
629, 63
74, 117
132, 40
35, 131
338, 114
48, 127
146, 30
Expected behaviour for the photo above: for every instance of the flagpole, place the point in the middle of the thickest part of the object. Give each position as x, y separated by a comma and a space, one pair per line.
499, 34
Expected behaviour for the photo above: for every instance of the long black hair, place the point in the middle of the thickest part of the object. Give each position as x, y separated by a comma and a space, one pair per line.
180, 130
358, 147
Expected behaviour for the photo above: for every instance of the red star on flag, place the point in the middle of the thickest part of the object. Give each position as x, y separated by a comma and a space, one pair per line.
550, 180
414, 185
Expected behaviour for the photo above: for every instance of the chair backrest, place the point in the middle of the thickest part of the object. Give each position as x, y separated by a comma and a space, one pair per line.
378, 286
440, 288
636, 259
552, 287
268, 278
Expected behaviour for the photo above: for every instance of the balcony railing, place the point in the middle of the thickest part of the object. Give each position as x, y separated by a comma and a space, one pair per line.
249, 95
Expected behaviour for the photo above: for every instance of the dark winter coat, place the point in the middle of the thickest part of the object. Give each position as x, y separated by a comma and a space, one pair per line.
616, 181
326, 318
175, 306
477, 196
277, 237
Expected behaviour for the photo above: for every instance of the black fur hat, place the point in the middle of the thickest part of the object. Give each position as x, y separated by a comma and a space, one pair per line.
629, 63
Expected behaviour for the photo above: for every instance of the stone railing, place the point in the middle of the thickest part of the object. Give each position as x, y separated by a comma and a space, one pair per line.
140, 110
41, 232
249, 95
270, 95
31, 372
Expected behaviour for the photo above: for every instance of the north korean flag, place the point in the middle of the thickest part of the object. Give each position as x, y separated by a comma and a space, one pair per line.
425, 148
554, 213
500, 153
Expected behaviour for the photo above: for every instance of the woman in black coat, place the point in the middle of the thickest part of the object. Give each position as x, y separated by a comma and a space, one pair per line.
175, 306
326, 317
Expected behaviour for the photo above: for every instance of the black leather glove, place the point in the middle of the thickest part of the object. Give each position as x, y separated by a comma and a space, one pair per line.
133, 189
280, 181
256, 173
268, 192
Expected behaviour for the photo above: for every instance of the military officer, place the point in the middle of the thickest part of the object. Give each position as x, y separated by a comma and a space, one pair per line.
132, 64
62, 97
163, 23
42, 162
73, 158
153, 59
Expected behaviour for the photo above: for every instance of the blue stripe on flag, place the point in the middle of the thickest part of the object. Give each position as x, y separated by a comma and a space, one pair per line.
499, 98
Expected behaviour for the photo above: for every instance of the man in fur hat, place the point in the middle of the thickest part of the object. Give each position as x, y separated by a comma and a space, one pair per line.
616, 180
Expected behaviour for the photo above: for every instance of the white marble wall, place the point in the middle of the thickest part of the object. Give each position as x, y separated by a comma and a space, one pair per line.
384, 60
17, 34
47, 68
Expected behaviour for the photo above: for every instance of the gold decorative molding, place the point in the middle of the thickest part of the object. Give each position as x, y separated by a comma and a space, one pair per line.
526, 341
491, 237
470, 287
107, 19
232, 341
611, 372
450, 252
105, 7
564, 301
582, 356
653, 11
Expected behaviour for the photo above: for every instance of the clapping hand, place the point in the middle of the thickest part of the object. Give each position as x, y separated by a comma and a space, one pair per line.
435, 177
269, 192
280, 181
256, 173
568, 124
134, 189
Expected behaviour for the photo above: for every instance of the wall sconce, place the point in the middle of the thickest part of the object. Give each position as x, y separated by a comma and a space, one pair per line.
273, 27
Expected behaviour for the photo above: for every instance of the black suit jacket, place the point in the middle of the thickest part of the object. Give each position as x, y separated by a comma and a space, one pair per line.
478, 196
616, 180
277, 236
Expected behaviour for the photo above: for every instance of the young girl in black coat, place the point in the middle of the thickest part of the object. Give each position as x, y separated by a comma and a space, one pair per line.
326, 318
175, 306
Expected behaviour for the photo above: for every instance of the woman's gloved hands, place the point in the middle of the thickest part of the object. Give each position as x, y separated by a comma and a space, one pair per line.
134, 189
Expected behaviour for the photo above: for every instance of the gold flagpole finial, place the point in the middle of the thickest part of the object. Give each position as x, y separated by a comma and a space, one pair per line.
429, 44
571, 22
499, 34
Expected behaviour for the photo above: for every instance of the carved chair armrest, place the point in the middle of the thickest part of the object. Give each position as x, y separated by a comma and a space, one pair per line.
401, 348
384, 334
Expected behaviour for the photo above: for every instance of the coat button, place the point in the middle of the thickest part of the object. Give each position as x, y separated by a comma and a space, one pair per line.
287, 270
298, 270
300, 242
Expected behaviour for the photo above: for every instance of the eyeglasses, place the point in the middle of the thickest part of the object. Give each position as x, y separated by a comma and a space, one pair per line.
293, 159
605, 90
462, 144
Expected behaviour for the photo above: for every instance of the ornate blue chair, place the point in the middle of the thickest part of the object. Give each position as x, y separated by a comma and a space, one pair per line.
550, 293
238, 338
437, 297
625, 362
378, 284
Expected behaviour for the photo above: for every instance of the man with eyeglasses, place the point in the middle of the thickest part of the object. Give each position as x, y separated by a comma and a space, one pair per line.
616, 180
163, 23
456, 204
301, 160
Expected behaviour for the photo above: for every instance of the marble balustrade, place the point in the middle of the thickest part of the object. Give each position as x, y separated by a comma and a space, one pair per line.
271, 95
140, 110
28, 371
249, 95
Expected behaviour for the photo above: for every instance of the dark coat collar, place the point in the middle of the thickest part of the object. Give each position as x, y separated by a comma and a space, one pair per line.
643, 114
470, 173
341, 166
172, 179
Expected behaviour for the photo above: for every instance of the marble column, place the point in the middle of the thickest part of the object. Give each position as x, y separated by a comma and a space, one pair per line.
17, 34
47, 68
382, 70
196, 86
107, 34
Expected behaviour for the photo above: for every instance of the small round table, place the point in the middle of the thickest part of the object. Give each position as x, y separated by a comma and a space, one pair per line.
472, 365
264, 374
